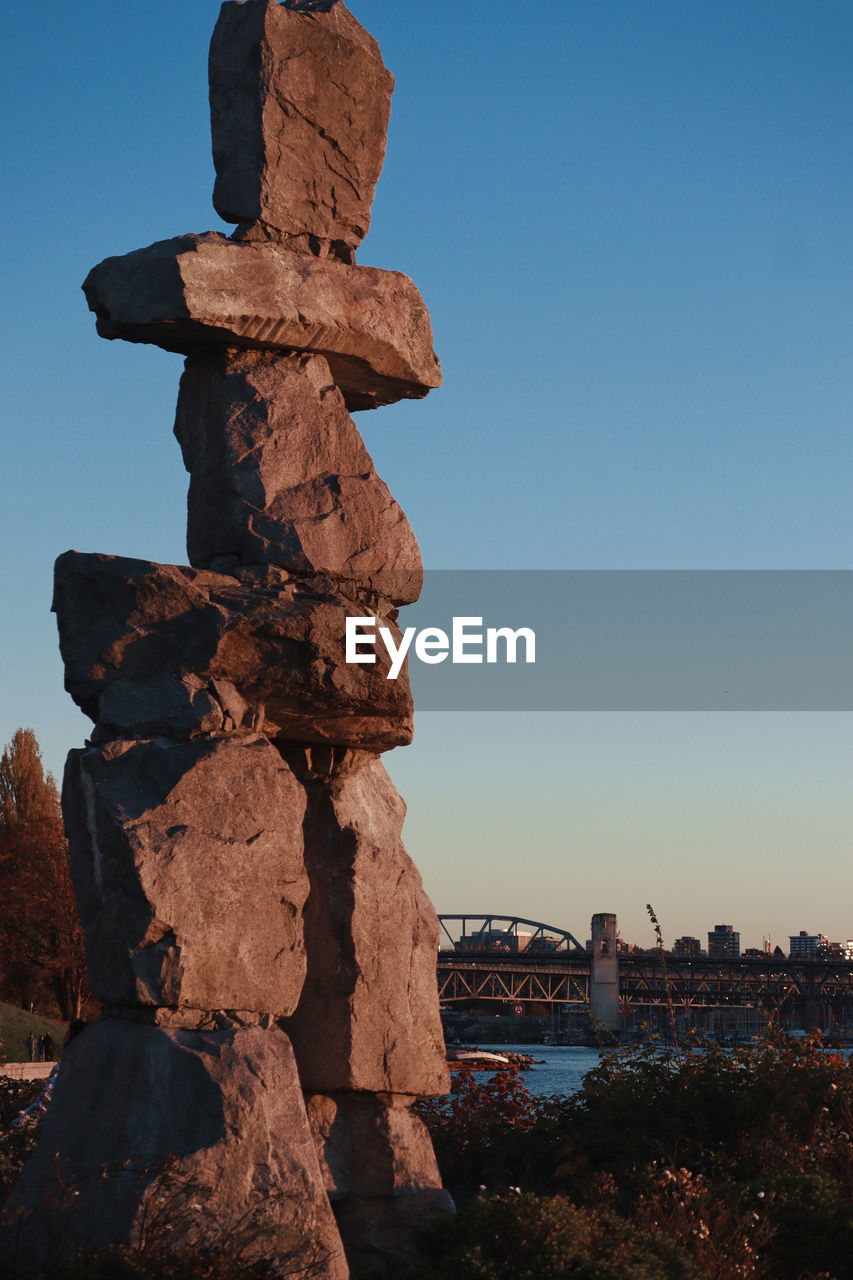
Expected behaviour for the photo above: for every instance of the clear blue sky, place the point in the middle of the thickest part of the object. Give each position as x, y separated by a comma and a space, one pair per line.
632, 225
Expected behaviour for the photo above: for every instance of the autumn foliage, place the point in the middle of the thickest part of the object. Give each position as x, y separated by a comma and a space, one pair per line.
42, 957
695, 1164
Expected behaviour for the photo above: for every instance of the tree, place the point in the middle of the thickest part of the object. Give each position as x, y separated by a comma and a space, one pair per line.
27, 794
41, 938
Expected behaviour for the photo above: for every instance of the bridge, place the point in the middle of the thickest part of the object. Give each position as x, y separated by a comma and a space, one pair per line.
526, 966
505, 932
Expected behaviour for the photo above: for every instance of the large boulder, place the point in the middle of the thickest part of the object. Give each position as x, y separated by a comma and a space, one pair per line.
371, 1145
279, 475
201, 290
161, 650
299, 106
187, 862
379, 1169
368, 1016
175, 1140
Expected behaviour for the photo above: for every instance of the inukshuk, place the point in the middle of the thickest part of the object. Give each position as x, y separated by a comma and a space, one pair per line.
260, 940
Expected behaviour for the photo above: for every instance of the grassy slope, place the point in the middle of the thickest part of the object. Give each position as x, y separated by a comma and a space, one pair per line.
15, 1026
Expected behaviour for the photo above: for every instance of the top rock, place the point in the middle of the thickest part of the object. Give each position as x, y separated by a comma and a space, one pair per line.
299, 107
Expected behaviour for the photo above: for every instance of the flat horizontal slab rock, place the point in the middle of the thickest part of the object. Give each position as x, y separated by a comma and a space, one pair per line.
223, 1112
371, 325
299, 105
187, 862
153, 649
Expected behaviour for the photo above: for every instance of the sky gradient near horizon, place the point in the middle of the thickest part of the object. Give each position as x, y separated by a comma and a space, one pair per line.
631, 224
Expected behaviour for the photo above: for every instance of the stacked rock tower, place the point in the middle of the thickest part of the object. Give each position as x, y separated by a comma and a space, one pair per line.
259, 938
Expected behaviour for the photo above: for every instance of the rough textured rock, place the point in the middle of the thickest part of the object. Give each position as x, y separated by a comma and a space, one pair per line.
206, 290
154, 650
279, 475
234, 840
299, 107
379, 1169
225, 1107
187, 864
371, 1145
368, 1015
379, 1232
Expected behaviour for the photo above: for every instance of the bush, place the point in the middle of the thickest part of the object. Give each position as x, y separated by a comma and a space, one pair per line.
15, 1147
742, 1159
120, 1263
667, 1165
523, 1237
481, 1132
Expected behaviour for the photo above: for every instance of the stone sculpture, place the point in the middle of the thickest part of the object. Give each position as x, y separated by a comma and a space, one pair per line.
259, 938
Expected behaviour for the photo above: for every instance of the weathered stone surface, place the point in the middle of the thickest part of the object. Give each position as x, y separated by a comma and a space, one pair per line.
368, 1015
196, 290
187, 863
299, 106
371, 1145
234, 841
153, 650
378, 1232
279, 475
225, 1107
379, 1169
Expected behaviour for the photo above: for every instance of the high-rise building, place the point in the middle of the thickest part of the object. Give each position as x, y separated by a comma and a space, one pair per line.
724, 941
687, 947
806, 946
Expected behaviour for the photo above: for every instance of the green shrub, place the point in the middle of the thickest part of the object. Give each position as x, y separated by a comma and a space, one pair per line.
743, 1159
812, 1220
667, 1164
522, 1237
121, 1263
483, 1133
15, 1147
731, 1115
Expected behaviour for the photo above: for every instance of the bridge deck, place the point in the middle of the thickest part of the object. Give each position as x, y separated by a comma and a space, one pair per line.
768, 982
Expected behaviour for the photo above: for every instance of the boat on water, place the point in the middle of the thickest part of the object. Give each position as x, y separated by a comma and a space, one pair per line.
468, 1057
486, 1060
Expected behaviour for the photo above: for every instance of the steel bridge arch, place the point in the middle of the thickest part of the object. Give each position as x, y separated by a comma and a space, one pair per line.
566, 942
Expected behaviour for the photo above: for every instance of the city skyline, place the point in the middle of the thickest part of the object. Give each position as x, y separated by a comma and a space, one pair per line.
631, 229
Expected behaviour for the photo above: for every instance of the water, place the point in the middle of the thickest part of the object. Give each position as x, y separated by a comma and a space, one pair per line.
558, 1069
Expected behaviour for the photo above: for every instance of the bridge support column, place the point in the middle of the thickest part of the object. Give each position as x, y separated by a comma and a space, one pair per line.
811, 1012
604, 976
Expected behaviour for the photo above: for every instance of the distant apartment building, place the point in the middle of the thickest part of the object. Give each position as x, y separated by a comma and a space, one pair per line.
507, 940
807, 946
723, 941
687, 947
491, 940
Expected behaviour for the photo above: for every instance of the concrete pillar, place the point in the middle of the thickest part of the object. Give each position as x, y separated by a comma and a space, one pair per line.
811, 1012
604, 976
